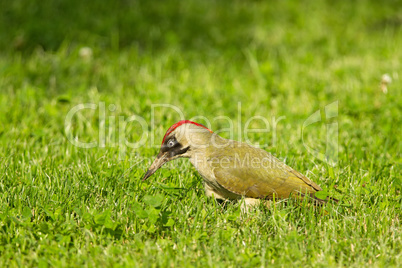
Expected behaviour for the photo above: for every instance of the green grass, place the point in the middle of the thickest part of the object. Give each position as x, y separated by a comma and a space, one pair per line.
61, 205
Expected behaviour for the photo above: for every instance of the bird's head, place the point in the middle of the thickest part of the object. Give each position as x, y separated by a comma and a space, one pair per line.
180, 140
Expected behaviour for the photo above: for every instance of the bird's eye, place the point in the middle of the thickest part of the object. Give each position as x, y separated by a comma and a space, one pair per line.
171, 143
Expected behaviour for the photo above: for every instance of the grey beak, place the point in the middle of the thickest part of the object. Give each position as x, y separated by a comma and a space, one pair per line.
159, 161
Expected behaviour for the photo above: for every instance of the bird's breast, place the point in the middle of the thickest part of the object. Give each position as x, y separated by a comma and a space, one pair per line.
204, 168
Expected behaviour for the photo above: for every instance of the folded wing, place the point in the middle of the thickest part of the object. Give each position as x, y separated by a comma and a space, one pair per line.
253, 172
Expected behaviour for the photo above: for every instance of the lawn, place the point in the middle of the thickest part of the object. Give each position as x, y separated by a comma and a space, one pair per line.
87, 91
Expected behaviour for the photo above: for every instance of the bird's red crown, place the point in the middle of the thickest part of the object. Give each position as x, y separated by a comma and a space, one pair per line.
182, 122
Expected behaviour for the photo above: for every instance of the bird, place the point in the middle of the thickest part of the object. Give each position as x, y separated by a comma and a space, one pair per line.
232, 170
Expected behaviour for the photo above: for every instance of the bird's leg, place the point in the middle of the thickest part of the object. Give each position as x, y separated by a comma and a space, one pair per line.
209, 191
250, 203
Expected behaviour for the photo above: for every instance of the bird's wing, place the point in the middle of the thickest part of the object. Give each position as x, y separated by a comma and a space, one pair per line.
255, 173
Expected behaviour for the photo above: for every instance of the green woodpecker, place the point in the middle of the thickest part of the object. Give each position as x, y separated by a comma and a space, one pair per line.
230, 169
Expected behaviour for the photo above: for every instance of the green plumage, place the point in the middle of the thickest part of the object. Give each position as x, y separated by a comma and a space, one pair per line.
253, 172
231, 169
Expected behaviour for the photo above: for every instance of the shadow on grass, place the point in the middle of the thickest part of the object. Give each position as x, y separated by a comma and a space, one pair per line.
188, 25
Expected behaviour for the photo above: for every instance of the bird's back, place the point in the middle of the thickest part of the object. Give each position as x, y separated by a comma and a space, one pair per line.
253, 172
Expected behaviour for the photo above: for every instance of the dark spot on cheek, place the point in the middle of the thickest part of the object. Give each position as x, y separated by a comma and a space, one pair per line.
164, 148
178, 151
174, 150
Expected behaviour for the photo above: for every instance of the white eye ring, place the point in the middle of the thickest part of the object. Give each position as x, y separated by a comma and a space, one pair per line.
171, 143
